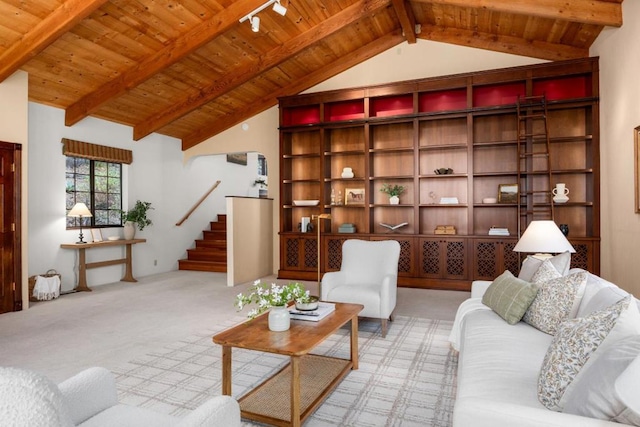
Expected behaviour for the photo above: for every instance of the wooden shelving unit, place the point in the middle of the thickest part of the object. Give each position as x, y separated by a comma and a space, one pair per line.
400, 133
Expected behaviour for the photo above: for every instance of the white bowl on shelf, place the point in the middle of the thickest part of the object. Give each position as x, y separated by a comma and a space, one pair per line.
489, 200
112, 238
306, 202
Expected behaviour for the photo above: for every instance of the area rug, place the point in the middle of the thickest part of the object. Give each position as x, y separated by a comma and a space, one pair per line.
406, 379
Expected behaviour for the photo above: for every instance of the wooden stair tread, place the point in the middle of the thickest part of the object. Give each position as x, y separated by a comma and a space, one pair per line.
210, 252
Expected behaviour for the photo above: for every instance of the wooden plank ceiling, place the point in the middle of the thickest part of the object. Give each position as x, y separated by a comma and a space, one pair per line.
190, 69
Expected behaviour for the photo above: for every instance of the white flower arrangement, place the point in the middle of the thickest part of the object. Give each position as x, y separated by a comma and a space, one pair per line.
267, 296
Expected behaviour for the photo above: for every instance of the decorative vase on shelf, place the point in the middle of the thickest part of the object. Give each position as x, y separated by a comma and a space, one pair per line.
394, 200
347, 173
565, 229
279, 319
560, 193
129, 230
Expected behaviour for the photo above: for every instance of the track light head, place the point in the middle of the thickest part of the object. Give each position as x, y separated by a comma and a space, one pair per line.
278, 8
255, 24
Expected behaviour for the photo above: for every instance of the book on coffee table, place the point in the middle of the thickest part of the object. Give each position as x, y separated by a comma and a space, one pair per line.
323, 310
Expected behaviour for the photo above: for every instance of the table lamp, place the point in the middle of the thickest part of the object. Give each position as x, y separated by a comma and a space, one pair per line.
80, 210
543, 238
319, 217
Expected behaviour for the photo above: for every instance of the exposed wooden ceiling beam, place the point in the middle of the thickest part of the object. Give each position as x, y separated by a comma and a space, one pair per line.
353, 58
594, 12
172, 53
261, 64
58, 22
506, 44
406, 18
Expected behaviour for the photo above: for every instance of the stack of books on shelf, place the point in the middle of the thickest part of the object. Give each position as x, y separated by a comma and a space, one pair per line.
499, 231
324, 309
444, 229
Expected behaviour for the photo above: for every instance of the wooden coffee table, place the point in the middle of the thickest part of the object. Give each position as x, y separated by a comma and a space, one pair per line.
293, 393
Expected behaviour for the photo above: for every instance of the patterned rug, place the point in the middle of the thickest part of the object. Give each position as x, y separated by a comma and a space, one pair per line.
407, 379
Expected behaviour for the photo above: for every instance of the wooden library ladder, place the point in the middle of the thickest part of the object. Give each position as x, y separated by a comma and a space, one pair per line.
535, 200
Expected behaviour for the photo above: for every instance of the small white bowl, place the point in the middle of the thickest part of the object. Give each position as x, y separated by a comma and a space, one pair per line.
489, 200
113, 238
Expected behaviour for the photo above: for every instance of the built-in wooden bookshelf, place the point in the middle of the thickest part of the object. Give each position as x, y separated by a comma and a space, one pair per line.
400, 133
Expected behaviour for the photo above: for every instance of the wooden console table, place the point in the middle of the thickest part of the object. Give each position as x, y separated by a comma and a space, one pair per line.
83, 266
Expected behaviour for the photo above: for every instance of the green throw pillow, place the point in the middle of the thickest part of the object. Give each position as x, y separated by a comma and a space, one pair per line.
510, 297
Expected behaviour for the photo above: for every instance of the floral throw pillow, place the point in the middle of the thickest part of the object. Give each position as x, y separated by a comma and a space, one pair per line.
545, 272
554, 302
575, 343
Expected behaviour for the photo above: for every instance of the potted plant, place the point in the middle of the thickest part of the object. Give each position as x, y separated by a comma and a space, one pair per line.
273, 296
262, 186
137, 216
394, 191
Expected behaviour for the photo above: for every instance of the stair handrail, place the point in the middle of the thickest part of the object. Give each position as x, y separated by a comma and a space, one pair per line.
198, 203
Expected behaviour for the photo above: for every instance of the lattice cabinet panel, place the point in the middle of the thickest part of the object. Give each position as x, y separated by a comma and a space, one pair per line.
333, 252
493, 256
300, 253
583, 257
443, 257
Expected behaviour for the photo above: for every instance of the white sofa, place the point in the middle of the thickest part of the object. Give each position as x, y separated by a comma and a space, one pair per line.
89, 399
499, 364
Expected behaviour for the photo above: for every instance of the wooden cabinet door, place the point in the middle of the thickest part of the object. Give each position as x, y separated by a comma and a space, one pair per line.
443, 258
493, 256
10, 289
299, 253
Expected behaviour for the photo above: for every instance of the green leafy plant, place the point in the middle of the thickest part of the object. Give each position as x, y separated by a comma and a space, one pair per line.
138, 214
260, 181
267, 296
392, 190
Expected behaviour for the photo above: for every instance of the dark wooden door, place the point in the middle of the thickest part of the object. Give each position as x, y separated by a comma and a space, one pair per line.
10, 289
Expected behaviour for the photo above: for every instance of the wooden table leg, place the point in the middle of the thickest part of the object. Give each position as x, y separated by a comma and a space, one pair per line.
295, 391
226, 371
128, 271
82, 272
354, 342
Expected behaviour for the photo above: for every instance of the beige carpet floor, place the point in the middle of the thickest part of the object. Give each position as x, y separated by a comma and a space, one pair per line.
119, 322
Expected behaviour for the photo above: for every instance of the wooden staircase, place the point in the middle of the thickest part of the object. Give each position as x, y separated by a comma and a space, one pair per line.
210, 253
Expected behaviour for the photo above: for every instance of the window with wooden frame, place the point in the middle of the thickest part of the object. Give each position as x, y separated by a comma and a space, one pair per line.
94, 177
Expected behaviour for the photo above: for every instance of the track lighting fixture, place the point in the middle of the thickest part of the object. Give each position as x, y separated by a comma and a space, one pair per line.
255, 21
278, 8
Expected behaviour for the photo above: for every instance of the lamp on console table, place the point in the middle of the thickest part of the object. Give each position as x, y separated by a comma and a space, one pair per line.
319, 217
543, 238
80, 210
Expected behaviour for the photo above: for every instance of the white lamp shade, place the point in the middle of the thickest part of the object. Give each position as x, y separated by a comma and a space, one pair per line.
543, 237
79, 210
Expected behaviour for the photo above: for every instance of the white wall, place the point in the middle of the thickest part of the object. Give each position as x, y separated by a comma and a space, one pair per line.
157, 175
404, 62
619, 53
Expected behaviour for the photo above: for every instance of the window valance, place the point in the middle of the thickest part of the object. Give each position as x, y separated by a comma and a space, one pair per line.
87, 150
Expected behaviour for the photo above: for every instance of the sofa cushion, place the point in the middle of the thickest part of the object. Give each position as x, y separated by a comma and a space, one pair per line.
530, 265
594, 391
626, 387
604, 298
509, 297
555, 302
577, 344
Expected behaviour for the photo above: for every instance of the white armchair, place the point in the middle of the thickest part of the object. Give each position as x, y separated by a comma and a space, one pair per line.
369, 276
89, 399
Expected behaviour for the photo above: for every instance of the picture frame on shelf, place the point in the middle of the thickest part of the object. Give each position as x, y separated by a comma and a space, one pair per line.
636, 165
508, 193
354, 196
96, 234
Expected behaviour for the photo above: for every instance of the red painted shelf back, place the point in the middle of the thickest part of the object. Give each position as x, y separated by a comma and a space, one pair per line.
493, 95
344, 110
445, 100
306, 115
564, 88
391, 106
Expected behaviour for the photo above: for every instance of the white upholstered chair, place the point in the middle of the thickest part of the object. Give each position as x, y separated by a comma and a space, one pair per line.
368, 276
89, 399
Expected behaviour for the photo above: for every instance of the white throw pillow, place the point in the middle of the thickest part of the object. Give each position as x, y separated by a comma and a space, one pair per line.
594, 392
556, 301
562, 263
577, 344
